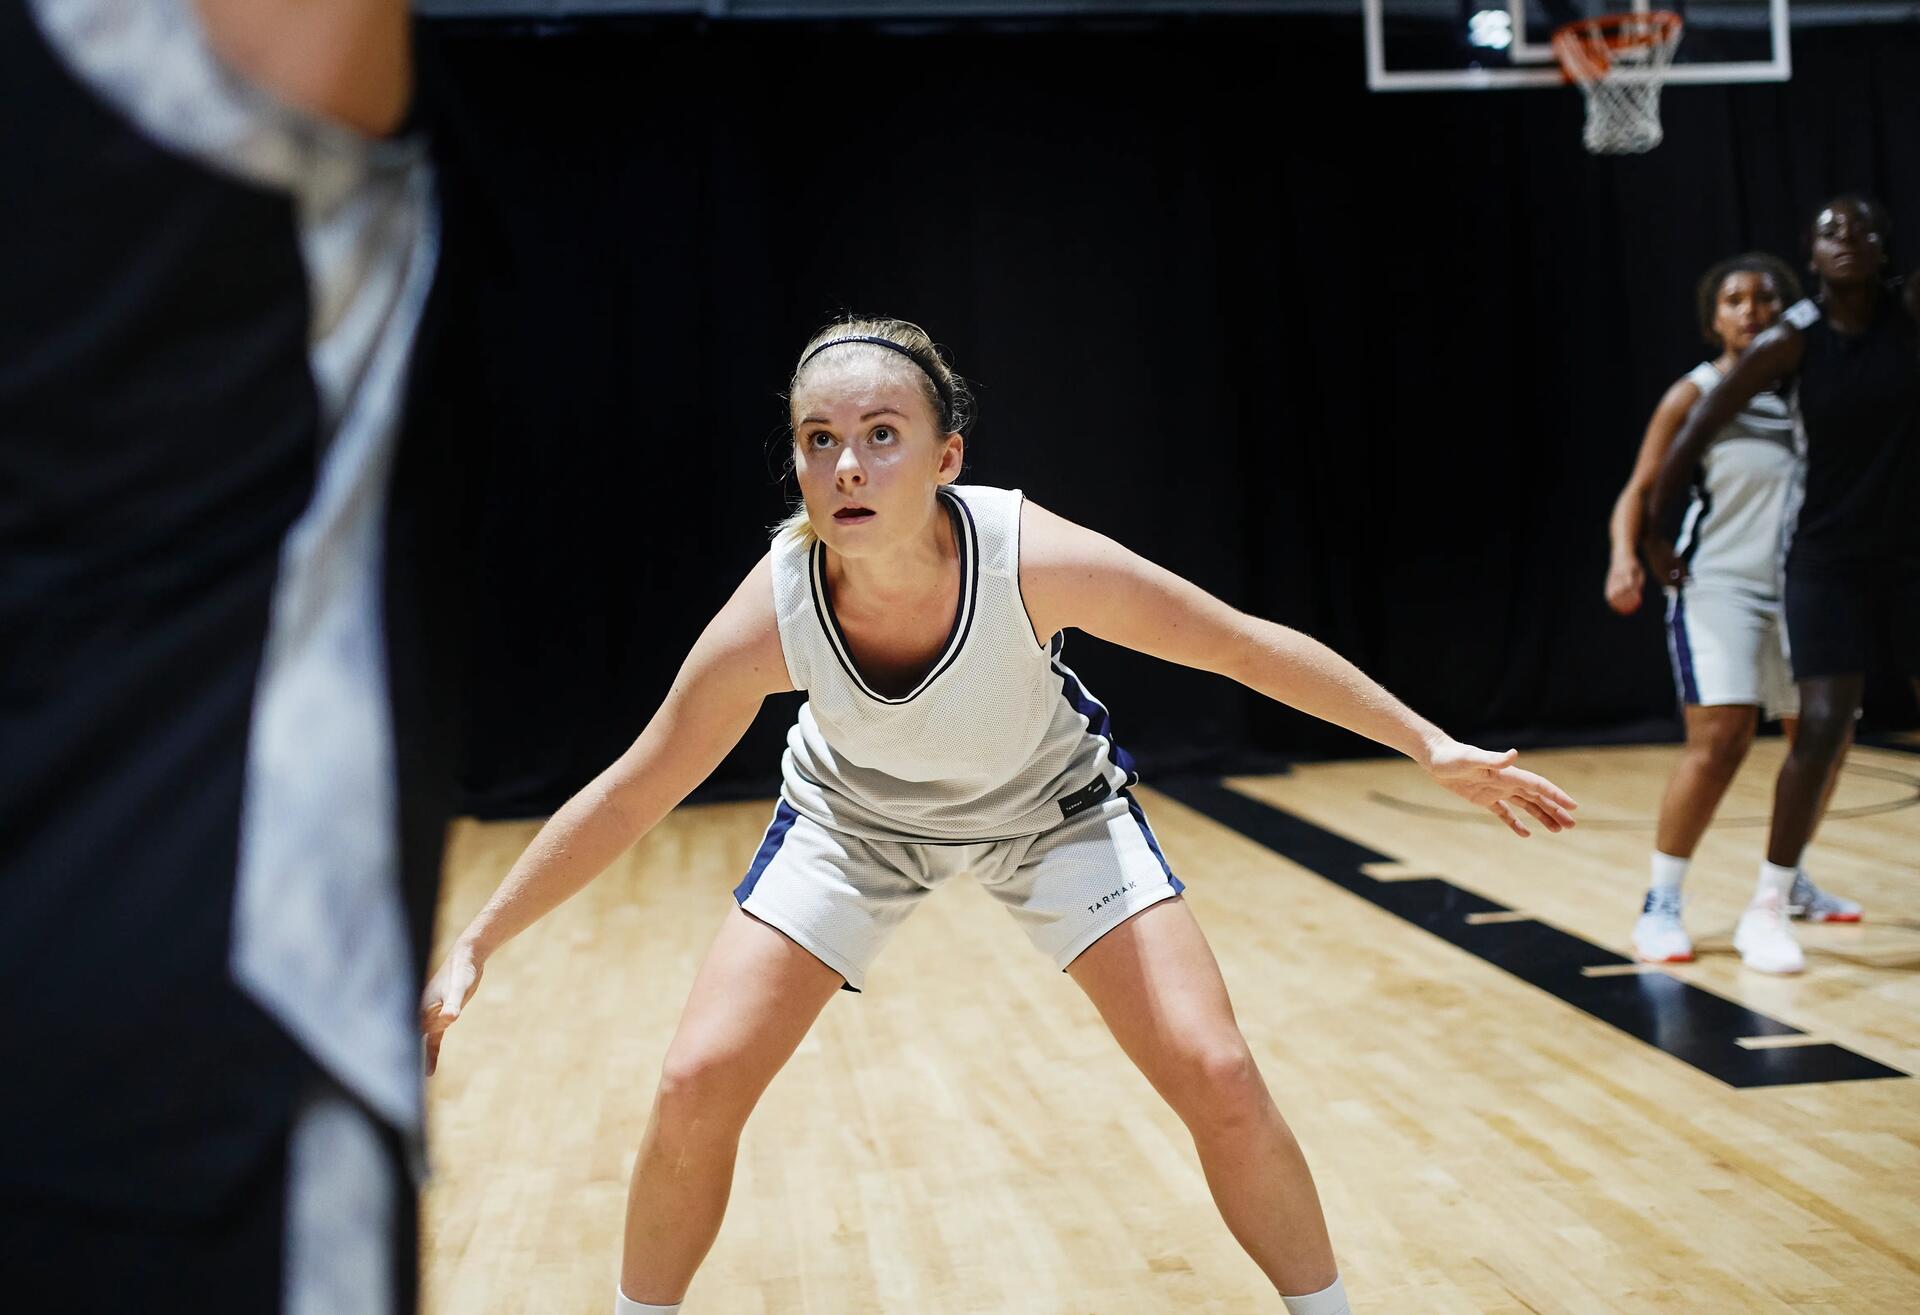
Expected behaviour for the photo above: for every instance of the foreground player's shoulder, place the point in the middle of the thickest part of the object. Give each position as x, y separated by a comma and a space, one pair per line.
1067, 570
1056, 551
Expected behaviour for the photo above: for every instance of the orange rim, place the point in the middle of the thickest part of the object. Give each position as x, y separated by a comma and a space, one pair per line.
1596, 40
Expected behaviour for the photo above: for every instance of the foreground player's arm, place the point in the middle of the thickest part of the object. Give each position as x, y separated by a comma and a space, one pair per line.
1625, 579
734, 665
1071, 576
350, 61
1774, 356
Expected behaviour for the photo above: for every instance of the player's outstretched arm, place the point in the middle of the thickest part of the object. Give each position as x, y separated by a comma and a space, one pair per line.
733, 666
1772, 358
1071, 576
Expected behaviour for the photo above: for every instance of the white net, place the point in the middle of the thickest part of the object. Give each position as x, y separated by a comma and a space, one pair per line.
1620, 62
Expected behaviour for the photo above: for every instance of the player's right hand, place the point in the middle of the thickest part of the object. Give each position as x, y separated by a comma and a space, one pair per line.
446, 995
1662, 562
1625, 583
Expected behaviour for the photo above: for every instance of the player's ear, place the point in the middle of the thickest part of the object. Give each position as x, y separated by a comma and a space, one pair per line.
953, 455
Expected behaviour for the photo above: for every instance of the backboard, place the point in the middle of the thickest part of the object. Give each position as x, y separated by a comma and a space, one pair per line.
1483, 45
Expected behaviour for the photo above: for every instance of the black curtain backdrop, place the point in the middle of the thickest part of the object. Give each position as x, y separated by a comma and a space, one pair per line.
1370, 365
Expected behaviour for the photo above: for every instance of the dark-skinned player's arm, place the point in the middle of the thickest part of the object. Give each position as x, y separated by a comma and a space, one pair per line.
1772, 358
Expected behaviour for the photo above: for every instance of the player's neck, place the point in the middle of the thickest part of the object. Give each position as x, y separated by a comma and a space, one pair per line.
901, 577
1849, 308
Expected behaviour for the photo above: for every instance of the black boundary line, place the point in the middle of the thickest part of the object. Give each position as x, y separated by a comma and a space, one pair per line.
1691, 1024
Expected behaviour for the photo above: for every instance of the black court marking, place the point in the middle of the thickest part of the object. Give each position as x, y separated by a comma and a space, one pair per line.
1690, 1024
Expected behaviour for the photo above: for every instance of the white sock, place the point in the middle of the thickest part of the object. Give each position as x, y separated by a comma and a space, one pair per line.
625, 1305
1330, 1300
1668, 871
1801, 868
1775, 885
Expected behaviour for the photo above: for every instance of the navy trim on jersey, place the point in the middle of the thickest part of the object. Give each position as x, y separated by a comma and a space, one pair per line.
1096, 714
969, 545
784, 817
1697, 529
1133, 806
1682, 650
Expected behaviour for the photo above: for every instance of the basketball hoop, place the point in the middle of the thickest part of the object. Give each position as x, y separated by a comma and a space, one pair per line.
1620, 62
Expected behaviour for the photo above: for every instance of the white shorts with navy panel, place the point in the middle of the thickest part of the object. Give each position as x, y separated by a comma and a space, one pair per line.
1729, 646
840, 897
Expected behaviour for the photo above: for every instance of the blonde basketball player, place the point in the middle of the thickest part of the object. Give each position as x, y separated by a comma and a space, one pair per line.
943, 734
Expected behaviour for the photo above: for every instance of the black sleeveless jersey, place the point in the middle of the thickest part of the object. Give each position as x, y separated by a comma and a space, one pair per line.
1859, 400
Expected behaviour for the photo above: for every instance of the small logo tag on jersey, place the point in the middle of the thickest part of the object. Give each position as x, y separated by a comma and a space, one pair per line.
1086, 797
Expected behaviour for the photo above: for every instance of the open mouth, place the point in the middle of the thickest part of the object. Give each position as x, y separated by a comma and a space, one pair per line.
847, 515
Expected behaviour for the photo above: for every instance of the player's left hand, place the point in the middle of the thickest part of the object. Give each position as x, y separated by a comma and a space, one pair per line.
1491, 781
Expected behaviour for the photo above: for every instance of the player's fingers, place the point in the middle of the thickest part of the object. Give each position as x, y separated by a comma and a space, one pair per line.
1520, 781
460, 984
1505, 814
1542, 816
433, 1053
1562, 813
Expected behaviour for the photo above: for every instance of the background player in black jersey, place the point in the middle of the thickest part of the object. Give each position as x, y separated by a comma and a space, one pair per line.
1852, 356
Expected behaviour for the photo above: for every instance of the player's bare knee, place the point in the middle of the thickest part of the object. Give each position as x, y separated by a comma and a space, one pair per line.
1720, 750
703, 1094
1823, 733
1222, 1089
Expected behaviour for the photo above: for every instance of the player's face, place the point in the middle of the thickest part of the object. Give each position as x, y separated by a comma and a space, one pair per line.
1848, 247
1746, 306
868, 451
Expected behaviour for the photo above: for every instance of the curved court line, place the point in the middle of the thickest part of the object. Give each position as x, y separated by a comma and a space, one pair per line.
1443, 814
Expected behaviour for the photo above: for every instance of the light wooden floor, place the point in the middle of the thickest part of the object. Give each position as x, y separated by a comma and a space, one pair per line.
966, 1138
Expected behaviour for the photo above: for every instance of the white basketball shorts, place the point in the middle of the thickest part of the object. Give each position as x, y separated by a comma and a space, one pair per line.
840, 897
1729, 646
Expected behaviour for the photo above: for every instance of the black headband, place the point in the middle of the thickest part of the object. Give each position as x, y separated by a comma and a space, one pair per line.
939, 386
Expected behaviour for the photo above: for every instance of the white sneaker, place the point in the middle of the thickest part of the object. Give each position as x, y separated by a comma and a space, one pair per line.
1765, 941
1813, 904
1659, 936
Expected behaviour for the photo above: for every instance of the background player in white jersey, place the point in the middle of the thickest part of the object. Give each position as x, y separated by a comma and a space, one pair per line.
1726, 633
943, 734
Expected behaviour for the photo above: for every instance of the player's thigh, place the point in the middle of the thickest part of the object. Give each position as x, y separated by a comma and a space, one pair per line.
1158, 987
753, 1000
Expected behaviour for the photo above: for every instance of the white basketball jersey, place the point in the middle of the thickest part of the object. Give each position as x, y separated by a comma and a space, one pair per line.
1735, 530
1000, 739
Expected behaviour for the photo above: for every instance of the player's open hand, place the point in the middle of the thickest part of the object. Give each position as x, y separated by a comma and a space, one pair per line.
1491, 781
446, 995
